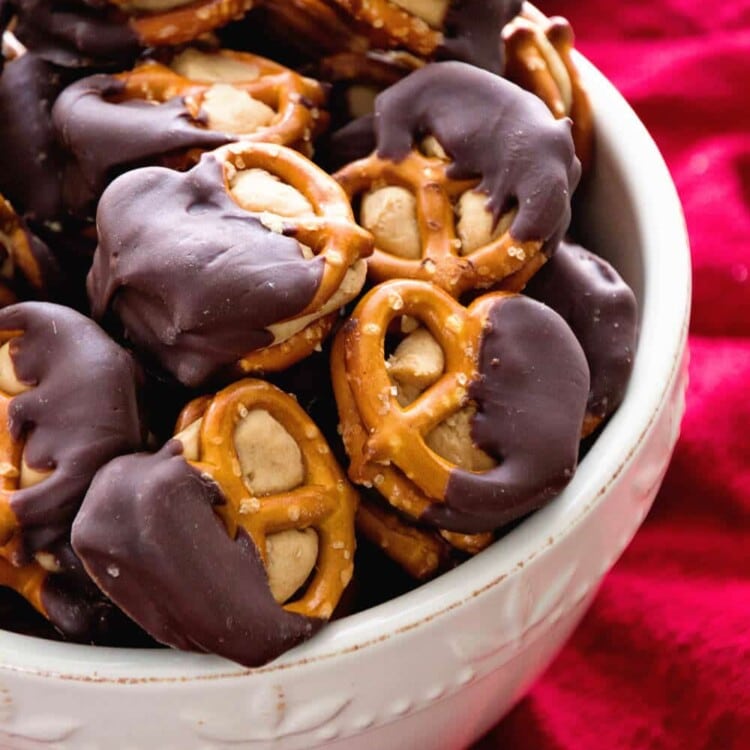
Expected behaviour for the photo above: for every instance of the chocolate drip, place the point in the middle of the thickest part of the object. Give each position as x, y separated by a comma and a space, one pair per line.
148, 535
492, 130
603, 313
105, 137
31, 162
194, 279
472, 32
531, 398
81, 412
76, 33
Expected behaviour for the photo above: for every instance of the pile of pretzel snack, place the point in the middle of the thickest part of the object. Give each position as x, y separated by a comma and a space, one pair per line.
281, 279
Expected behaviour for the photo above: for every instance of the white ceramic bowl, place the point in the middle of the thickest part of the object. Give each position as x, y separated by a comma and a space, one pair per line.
439, 666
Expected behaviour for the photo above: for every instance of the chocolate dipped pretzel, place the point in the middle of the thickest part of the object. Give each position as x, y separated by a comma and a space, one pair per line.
102, 33
249, 499
160, 114
444, 29
487, 197
68, 405
28, 269
31, 161
267, 246
469, 440
601, 309
539, 59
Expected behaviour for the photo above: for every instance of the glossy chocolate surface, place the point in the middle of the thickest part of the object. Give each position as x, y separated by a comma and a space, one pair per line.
472, 32
148, 535
105, 137
603, 313
81, 412
75, 33
531, 399
31, 162
194, 279
492, 130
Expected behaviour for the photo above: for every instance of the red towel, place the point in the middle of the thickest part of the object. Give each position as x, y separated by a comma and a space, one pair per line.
662, 660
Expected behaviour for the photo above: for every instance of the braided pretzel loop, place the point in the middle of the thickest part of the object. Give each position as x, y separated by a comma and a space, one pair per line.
183, 23
435, 193
395, 435
28, 580
326, 502
330, 232
295, 99
401, 27
539, 58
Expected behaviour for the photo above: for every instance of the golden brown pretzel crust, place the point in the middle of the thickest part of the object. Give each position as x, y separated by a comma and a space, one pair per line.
325, 502
28, 579
186, 23
421, 552
286, 353
401, 27
441, 263
21, 254
385, 441
527, 64
331, 233
319, 29
296, 99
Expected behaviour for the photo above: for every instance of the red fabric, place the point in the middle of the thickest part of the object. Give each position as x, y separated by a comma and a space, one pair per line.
662, 660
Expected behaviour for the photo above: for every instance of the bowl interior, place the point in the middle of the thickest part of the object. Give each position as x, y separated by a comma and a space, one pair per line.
629, 213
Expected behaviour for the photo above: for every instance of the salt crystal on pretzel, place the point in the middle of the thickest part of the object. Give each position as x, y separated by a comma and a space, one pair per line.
529, 426
248, 498
265, 286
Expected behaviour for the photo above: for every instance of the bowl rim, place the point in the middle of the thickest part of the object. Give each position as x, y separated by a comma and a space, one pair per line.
664, 321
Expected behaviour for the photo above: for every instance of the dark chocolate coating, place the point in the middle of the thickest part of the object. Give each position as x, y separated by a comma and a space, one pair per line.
81, 412
148, 535
194, 279
76, 33
105, 138
354, 141
472, 32
78, 609
603, 313
492, 130
31, 161
531, 399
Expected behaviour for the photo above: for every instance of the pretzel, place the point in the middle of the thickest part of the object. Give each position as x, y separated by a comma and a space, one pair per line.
27, 263
322, 501
402, 27
441, 258
538, 58
294, 101
421, 552
184, 21
330, 232
387, 442
316, 28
